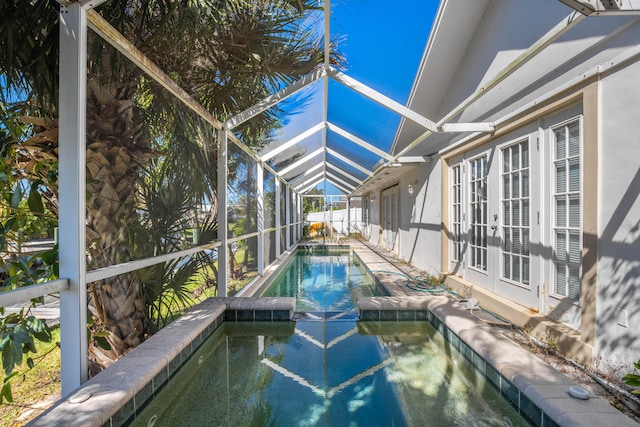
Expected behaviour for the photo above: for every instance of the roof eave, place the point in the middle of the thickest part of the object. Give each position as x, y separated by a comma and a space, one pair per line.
452, 31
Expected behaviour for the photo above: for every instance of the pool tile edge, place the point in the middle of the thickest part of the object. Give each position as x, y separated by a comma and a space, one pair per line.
114, 390
519, 375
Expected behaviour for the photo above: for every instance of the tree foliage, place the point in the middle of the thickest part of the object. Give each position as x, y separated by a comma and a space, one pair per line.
633, 379
150, 165
313, 204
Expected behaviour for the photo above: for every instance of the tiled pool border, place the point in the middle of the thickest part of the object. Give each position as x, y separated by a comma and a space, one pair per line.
120, 393
536, 390
518, 400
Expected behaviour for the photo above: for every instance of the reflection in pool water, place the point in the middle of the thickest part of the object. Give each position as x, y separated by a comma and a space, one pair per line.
327, 368
326, 280
331, 373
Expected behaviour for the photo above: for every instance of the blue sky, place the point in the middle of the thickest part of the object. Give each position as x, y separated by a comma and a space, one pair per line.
383, 45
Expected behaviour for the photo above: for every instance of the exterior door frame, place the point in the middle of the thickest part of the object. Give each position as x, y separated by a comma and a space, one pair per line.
389, 218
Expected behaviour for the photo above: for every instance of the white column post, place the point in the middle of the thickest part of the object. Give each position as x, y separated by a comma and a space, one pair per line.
72, 195
301, 211
296, 217
287, 216
277, 234
223, 250
348, 216
260, 206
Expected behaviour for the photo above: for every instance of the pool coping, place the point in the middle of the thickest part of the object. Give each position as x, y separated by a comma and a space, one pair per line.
539, 391
123, 390
536, 389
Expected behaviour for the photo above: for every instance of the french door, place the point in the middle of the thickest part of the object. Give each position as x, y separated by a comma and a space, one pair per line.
390, 218
515, 217
491, 219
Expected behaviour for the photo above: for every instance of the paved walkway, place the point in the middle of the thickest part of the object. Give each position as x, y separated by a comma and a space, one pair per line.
49, 312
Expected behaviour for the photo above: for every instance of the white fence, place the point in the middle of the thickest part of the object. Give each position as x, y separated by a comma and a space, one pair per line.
338, 220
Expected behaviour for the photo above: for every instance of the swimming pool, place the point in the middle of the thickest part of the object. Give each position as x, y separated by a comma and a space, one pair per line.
327, 368
331, 373
323, 280
125, 392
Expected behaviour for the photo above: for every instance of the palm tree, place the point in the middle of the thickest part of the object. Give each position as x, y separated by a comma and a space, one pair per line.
227, 53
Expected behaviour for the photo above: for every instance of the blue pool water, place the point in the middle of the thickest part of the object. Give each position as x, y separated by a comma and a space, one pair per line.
328, 370
323, 280
332, 373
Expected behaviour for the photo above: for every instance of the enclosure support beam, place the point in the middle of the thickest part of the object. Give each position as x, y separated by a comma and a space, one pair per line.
318, 175
348, 216
468, 127
260, 206
301, 161
341, 181
300, 216
278, 196
601, 7
306, 174
349, 161
293, 141
361, 142
341, 171
277, 97
338, 186
112, 36
287, 217
72, 195
327, 33
223, 250
294, 216
313, 184
383, 100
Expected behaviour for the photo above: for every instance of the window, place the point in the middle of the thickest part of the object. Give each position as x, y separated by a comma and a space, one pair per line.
515, 213
567, 217
456, 213
478, 210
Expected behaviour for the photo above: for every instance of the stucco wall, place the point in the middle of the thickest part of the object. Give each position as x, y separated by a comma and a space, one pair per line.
618, 300
420, 220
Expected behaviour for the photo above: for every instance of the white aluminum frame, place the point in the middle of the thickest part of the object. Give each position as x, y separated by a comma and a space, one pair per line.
72, 196
276, 98
260, 208
343, 173
300, 178
293, 141
349, 162
315, 177
361, 142
301, 161
223, 251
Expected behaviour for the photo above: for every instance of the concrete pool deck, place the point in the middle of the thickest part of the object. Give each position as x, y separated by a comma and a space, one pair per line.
536, 389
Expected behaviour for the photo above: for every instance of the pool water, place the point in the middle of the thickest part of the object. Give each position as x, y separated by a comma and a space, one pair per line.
330, 373
323, 280
327, 368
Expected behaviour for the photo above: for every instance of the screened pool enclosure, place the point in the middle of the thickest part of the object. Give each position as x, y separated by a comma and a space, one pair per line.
202, 197
158, 155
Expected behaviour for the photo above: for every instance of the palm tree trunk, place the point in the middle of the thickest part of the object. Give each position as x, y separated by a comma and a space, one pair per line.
116, 153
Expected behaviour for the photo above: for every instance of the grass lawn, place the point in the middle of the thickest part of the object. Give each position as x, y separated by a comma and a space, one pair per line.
38, 388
